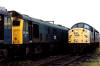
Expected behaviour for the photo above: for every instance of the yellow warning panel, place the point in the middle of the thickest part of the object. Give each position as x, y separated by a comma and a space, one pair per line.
78, 35
17, 31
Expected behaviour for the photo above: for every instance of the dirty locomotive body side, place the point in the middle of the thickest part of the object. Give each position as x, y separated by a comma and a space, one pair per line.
36, 36
5, 31
83, 37
5, 27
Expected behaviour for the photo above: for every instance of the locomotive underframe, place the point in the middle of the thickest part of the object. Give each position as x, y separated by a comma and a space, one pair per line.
31, 50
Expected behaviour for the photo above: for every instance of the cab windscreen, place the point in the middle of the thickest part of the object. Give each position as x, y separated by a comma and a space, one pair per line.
16, 23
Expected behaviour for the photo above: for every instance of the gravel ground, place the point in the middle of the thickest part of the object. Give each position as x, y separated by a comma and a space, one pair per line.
92, 60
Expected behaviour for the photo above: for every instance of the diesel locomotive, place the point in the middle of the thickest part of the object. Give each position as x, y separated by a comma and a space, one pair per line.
21, 34
82, 37
29, 36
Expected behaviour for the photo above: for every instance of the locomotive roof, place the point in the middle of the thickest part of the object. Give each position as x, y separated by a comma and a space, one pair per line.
81, 23
84, 24
4, 11
15, 14
26, 17
48, 24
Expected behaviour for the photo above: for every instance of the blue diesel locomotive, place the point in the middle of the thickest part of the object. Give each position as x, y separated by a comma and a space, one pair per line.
23, 35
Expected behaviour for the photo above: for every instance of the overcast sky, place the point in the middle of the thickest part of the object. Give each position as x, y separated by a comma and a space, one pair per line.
64, 12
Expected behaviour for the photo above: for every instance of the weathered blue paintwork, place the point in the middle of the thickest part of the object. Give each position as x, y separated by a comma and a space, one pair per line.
43, 29
7, 31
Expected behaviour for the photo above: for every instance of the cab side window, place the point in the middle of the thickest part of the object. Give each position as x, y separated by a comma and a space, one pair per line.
16, 22
6, 22
9, 23
25, 27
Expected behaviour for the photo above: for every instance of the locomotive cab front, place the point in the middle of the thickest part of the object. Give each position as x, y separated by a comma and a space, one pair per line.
79, 35
17, 28
83, 37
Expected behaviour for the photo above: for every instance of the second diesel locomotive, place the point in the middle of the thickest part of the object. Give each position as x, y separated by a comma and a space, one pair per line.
82, 36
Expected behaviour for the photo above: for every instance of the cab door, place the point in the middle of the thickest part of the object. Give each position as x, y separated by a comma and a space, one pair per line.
30, 31
35, 32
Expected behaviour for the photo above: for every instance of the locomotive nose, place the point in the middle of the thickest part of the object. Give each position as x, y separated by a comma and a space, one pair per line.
79, 35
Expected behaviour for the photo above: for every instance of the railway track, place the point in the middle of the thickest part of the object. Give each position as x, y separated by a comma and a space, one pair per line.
13, 61
61, 61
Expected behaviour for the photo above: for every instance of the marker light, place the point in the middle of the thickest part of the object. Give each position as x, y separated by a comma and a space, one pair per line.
86, 39
75, 39
75, 32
